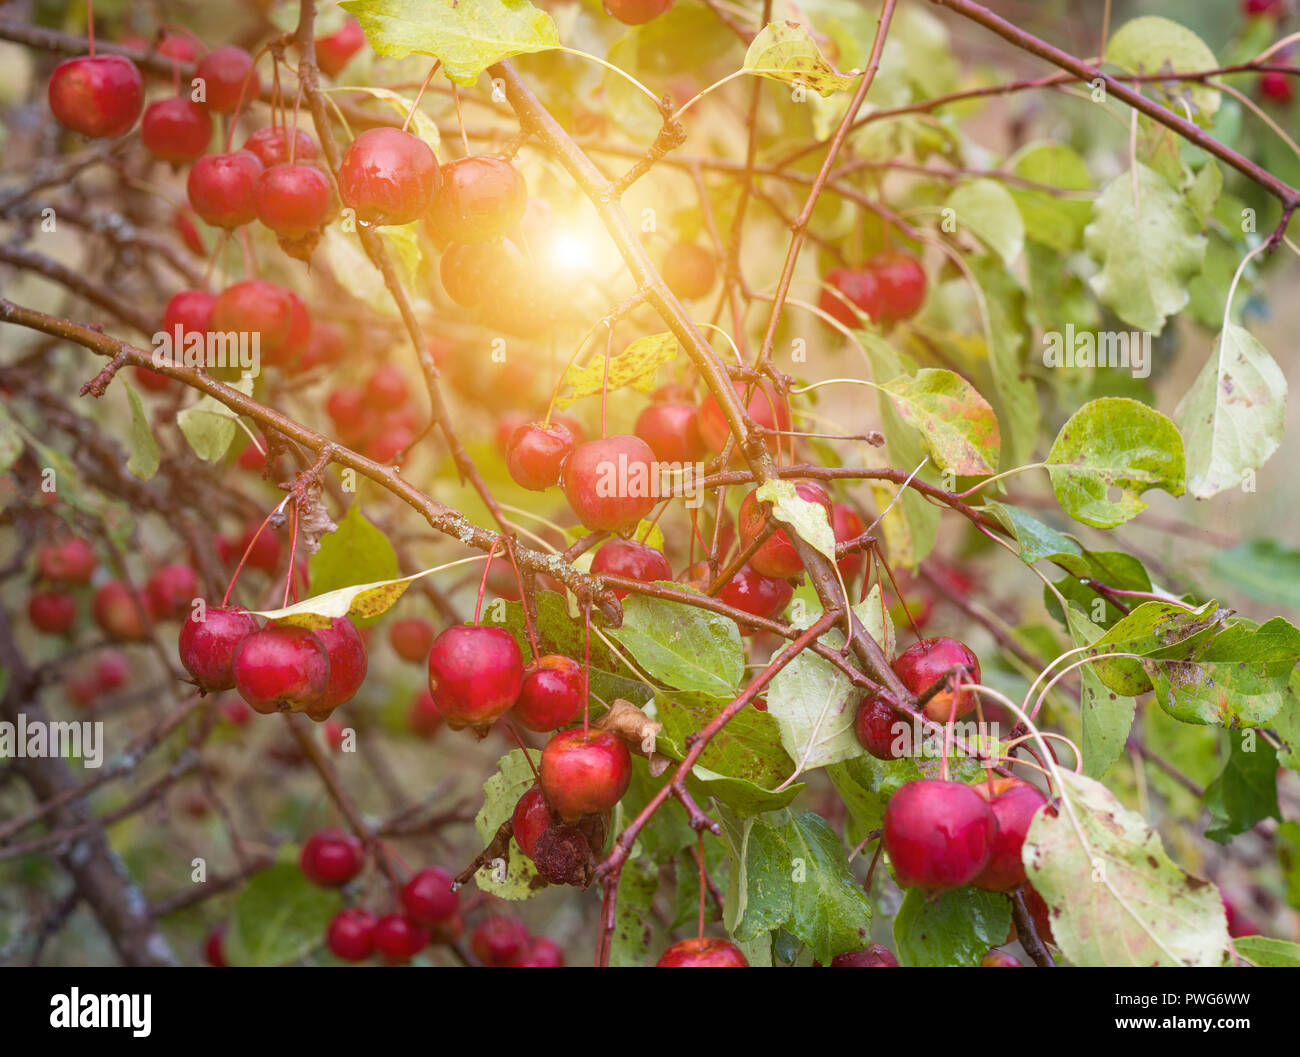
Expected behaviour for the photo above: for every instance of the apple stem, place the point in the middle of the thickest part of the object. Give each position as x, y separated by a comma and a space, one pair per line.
482, 584
460, 120
239, 104
419, 95
524, 597
586, 666
247, 551
699, 854
514, 732
293, 550
246, 245
90, 26
604, 383
876, 555
293, 133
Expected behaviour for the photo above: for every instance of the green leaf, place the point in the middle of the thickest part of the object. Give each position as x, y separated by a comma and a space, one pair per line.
466, 37
143, 462
1015, 398
1107, 716
987, 209
1114, 443
1203, 192
1287, 724
683, 646
1115, 896
865, 784
786, 51
1113, 568
210, 426
636, 366
795, 871
1237, 678
501, 792
634, 920
807, 519
1163, 628
11, 441
954, 928
1245, 792
354, 553
1268, 952
912, 525
1056, 221
814, 703
1263, 569
1148, 244
1151, 45
958, 424
1234, 415
279, 917
1036, 540
741, 764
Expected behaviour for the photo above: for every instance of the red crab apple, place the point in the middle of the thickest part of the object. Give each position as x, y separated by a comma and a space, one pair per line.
388, 177
584, 772
873, 956
535, 451
175, 130
1275, 86
334, 51
386, 388
689, 270
636, 12
776, 556
854, 290
294, 200
703, 954
901, 282
1000, 960
765, 408
222, 188
531, 819
923, 663
847, 525
553, 693
170, 590
1257, 8
347, 665
207, 646
72, 561
257, 308
119, 612
191, 310
422, 716
672, 431
428, 898
345, 406
632, 561
411, 638
475, 674
272, 146
541, 953
281, 668
52, 612
756, 594
610, 483
399, 939
939, 835
1014, 805
99, 96
330, 858
467, 269
499, 940
351, 934
876, 725
228, 76
214, 949
482, 197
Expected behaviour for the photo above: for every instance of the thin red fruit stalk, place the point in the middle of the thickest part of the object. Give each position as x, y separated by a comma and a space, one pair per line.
482, 584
